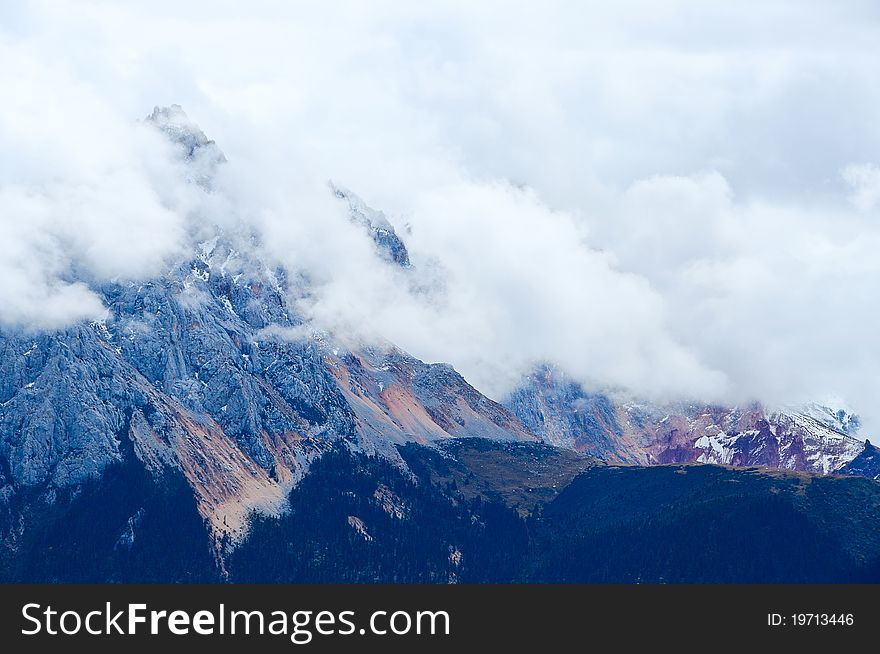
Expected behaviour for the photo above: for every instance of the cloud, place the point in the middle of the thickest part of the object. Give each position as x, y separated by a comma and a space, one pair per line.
501, 283
778, 296
650, 195
865, 182
85, 196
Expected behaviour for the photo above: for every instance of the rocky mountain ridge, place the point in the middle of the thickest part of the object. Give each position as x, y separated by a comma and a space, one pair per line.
619, 429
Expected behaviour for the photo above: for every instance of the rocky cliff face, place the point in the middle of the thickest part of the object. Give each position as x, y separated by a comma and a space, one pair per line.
560, 411
619, 429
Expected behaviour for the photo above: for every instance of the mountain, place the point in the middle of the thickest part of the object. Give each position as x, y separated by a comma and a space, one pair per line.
196, 372
201, 430
620, 429
561, 412
390, 246
866, 464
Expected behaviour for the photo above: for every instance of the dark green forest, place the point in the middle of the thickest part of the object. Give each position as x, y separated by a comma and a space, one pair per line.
450, 516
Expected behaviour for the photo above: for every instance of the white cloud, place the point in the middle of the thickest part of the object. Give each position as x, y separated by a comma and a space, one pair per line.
865, 182
779, 296
86, 195
649, 193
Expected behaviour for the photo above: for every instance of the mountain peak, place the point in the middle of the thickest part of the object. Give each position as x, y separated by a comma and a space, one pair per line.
178, 127
390, 246
197, 149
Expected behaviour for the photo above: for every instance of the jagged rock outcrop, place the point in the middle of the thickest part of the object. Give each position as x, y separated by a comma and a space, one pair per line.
388, 243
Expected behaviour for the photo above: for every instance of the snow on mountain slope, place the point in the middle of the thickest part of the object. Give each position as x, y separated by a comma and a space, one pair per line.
835, 415
866, 464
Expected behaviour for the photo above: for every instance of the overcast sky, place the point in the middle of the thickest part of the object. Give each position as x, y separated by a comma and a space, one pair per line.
679, 198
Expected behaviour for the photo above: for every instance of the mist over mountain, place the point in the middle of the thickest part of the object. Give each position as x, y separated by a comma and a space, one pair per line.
525, 258
656, 248
219, 370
